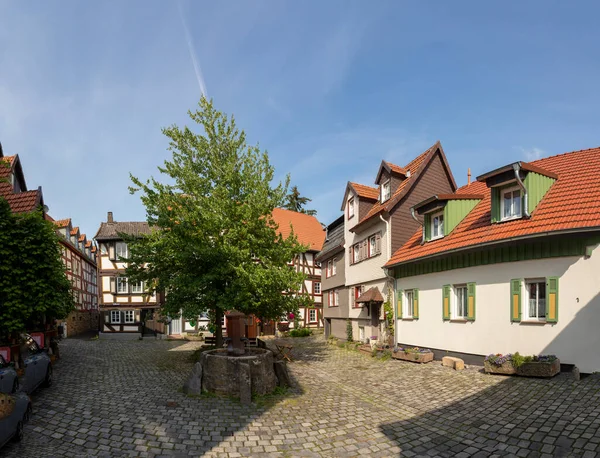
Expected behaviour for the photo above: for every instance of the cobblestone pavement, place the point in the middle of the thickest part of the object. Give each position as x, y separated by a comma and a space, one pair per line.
122, 398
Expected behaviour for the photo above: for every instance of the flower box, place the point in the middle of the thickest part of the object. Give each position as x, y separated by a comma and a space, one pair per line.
415, 355
539, 368
506, 368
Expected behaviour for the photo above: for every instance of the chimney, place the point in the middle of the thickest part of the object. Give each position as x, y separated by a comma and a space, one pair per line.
110, 218
468, 177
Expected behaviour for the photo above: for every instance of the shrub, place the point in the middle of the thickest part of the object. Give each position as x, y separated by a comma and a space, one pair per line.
349, 336
300, 332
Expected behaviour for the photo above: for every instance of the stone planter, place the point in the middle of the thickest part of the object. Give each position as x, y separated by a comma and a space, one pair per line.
413, 356
506, 368
366, 349
538, 369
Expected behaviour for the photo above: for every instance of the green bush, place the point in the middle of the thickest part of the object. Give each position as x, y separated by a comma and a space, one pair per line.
349, 337
300, 332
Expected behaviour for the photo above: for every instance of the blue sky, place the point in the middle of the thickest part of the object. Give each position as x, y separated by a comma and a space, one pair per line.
328, 88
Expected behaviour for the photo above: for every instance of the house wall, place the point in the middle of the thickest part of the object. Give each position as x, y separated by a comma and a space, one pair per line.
339, 278
369, 269
574, 338
340, 311
433, 180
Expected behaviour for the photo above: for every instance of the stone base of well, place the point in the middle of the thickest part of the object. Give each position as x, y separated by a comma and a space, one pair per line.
238, 376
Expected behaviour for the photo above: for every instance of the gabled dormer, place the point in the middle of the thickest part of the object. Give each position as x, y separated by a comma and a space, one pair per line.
443, 212
358, 200
516, 190
388, 179
74, 236
12, 172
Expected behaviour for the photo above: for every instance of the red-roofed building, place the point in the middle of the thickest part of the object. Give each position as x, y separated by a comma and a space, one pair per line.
14, 189
376, 222
507, 264
79, 258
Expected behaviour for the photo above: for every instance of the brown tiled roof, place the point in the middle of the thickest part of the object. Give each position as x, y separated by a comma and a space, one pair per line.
415, 167
75, 230
93, 249
573, 202
306, 227
396, 168
371, 295
88, 244
62, 222
364, 191
82, 237
6, 171
110, 231
23, 202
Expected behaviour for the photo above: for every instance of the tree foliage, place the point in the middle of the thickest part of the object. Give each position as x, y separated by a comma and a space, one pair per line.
33, 284
295, 202
215, 245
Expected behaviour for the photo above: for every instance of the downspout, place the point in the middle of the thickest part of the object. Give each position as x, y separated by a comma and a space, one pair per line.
412, 213
517, 169
386, 271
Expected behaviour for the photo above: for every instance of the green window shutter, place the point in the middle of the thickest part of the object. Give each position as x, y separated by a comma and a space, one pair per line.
471, 301
427, 227
515, 300
416, 304
399, 303
446, 301
496, 205
552, 299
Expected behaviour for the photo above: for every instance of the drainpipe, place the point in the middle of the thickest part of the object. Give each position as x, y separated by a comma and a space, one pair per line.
386, 271
412, 213
517, 168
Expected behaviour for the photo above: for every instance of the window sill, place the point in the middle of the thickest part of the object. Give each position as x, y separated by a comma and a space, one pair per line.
534, 322
459, 320
431, 239
408, 319
512, 218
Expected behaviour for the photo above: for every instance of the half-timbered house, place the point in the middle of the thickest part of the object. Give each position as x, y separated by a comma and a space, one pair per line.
125, 306
79, 259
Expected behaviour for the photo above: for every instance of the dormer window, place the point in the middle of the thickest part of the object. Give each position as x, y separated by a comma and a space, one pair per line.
385, 191
437, 225
510, 203
350, 207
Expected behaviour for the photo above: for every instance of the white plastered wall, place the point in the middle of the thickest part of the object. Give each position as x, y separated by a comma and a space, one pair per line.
575, 339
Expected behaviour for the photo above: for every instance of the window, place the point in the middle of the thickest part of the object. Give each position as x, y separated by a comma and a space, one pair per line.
372, 246
535, 291
115, 316
350, 207
129, 316
334, 267
317, 287
356, 292
511, 204
122, 250
137, 287
460, 302
312, 315
409, 297
385, 191
356, 253
329, 268
122, 285
437, 226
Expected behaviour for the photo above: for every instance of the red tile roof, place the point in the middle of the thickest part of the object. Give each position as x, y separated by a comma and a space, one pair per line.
5, 171
396, 168
82, 237
415, 167
367, 192
307, 228
573, 202
22, 202
75, 230
88, 244
62, 222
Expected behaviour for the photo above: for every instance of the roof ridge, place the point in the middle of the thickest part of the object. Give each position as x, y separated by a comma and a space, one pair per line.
585, 150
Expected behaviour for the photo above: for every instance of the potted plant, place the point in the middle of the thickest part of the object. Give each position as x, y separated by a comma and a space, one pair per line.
414, 354
499, 364
538, 366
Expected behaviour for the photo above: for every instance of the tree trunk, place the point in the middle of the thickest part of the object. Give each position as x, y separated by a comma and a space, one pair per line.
218, 328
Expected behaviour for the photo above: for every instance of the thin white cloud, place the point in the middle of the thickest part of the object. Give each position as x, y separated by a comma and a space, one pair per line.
532, 154
192, 51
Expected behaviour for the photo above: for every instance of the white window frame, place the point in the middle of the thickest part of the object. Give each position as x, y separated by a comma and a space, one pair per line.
334, 267
527, 314
386, 190
117, 314
119, 253
372, 246
356, 253
351, 207
512, 190
440, 217
408, 303
457, 291
129, 316
310, 313
317, 287
329, 268
120, 282
137, 287
336, 298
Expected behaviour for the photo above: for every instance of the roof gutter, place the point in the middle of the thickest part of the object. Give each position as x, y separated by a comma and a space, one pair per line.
412, 213
496, 242
517, 169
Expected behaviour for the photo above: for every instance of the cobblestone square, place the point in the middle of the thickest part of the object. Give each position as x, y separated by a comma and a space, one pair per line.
123, 398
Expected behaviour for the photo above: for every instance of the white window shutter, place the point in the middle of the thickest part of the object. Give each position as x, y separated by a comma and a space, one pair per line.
378, 243
111, 251
113, 285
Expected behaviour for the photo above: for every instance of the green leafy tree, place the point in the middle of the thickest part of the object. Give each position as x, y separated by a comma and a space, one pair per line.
295, 202
215, 246
33, 284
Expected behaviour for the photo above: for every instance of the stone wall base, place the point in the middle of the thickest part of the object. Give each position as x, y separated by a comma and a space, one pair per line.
80, 321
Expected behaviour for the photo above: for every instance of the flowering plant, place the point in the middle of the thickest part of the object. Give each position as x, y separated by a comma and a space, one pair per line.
544, 358
291, 316
413, 350
498, 359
